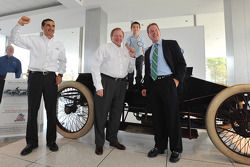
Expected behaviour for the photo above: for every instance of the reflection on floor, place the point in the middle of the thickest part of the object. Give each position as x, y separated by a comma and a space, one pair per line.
8, 140
80, 153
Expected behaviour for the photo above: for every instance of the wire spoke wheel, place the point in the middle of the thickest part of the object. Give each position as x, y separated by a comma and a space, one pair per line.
75, 112
228, 122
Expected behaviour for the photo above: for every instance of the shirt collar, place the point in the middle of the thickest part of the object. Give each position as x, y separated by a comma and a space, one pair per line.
138, 37
8, 57
116, 45
46, 38
158, 42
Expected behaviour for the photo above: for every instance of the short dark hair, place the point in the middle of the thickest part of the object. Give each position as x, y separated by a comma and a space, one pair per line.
135, 22
115, 29
152, 24
45, 20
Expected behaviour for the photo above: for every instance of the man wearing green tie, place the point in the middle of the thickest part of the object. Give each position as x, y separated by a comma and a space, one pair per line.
164, 69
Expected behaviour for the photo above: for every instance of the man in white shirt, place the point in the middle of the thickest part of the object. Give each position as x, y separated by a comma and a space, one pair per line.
111, 64
46, 68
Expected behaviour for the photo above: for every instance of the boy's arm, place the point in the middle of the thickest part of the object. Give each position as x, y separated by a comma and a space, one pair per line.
130, 49
143, 51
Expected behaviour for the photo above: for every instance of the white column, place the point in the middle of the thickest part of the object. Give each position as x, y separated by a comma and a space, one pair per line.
237, 23
95, 34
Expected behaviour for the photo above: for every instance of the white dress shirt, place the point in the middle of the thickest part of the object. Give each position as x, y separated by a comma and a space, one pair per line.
45, 54
111, 60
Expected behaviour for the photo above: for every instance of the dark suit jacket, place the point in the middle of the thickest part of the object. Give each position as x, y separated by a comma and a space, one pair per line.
174, 58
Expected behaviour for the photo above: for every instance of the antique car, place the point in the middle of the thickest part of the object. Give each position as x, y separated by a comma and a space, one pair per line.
223, 111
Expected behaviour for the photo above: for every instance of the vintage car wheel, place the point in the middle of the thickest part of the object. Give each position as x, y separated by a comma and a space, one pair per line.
228, 122
75, 110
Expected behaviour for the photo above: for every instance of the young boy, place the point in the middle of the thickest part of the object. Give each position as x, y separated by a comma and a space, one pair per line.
135, 42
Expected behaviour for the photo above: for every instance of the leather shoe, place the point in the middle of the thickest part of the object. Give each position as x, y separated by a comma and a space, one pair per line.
154, 152
175, 157
117, 145
53, 147
99, 150
28, 149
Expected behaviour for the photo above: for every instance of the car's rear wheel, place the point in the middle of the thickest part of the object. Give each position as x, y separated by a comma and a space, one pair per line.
75, 110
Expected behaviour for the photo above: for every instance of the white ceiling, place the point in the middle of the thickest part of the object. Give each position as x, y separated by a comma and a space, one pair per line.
126, 10
117, 10
10, 7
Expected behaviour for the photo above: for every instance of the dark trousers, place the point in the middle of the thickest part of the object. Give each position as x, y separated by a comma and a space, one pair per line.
164, 107
138, 67
1, 88
109, 106
38, 85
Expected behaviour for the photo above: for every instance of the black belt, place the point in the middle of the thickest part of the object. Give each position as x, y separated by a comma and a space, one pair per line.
163, 76
113, 78
41, 72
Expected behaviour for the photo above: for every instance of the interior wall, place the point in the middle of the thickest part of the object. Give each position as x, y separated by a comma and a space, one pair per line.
64, 19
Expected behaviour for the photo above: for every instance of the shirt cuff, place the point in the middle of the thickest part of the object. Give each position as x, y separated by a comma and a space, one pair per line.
99, 87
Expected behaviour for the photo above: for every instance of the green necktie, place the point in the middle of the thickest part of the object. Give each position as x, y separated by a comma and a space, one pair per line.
154, 62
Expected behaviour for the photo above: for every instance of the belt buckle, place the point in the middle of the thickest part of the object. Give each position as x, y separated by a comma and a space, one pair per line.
161, 77
45, 72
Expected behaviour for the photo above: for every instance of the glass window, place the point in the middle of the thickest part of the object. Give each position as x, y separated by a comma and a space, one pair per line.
24, 56
70, 39
2, 44
215, 46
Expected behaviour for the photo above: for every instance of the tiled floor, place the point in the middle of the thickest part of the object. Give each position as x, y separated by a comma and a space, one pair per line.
7, 140
80, 153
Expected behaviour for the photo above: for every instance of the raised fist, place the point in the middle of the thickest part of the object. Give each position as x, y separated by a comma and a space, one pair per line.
24, 20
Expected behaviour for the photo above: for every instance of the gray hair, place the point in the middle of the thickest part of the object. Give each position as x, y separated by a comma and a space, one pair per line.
9, 46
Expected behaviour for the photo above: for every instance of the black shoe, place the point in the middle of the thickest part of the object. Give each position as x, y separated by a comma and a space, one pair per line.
53, 147
28, 149
117, 145
154, 152
99, 150
175, 157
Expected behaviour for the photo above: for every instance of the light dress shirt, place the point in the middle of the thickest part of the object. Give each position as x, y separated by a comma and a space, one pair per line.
137, 43
45, 54
111, 60
162, 67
